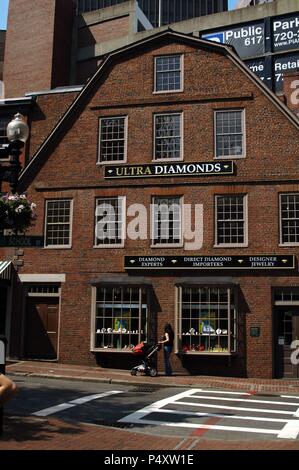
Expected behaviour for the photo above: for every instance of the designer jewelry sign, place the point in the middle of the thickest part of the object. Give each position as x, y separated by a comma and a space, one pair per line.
171, 169
210, 262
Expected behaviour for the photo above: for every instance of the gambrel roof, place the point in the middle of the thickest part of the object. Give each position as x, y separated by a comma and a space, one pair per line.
155, 39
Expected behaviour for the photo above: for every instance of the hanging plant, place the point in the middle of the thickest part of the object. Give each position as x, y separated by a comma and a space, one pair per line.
16, 213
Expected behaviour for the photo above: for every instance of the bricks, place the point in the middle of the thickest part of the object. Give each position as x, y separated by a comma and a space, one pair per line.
69, 170
42, 63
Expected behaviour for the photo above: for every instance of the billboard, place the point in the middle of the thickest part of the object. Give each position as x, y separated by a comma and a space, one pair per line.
283, 64
247, 39
285, 33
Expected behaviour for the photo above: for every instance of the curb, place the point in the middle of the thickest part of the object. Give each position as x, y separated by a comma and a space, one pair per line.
250, 387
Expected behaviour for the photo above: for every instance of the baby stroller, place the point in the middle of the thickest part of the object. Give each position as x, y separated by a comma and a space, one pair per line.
146, 351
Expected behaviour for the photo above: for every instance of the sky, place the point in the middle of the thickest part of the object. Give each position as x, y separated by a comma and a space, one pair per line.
3, 13
4, 9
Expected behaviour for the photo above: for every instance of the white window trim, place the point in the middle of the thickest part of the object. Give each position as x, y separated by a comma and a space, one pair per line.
232, 245
59, 247
124, 221
113, 162
281, 243
166, 245
230, 157
179, 90
169, 160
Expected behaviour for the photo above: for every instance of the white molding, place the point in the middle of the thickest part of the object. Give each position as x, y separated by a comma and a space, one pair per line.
42, 277
243, 119
113, 162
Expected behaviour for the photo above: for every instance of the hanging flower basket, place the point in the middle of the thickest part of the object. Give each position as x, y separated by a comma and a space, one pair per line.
16, 213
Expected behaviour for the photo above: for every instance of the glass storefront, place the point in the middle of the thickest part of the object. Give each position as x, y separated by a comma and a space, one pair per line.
206, 320
120, 317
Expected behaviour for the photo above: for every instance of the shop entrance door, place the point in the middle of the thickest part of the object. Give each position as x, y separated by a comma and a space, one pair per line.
41, 331
287, 333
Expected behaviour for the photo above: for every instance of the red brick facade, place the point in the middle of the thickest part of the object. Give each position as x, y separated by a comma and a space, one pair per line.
213, 80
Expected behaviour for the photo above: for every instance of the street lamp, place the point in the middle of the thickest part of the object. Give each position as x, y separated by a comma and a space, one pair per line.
17, 135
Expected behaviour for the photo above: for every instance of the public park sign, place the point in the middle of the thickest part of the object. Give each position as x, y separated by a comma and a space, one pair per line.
170, 169
210, 262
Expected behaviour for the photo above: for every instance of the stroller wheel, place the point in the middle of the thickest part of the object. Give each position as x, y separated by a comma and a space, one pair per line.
152, 372
133, 372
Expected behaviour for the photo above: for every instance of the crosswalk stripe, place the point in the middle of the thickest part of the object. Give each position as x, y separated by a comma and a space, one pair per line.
223, 392
246, 400
258, 410
211, 426
290, 430
220, 415
53, 409
79, 401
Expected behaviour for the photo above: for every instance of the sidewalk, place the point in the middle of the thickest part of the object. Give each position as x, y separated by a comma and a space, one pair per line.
116, 376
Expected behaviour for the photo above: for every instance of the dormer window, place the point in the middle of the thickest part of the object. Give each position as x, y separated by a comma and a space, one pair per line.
168, 73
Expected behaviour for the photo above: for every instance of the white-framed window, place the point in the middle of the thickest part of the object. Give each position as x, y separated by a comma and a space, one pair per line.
3, 135
166, 221
168, 132
207, 320
169, 73
231, 220
110, 222
289, 219
120, 317
230, 133
58, 223
113, 139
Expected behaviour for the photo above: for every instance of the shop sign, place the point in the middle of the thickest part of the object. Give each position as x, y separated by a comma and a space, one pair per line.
247, 39
285, 33
22, 241
210, 262
170, 169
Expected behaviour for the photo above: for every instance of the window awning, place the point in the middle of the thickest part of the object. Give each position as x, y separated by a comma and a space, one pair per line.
206, 281
5, 270
118, 280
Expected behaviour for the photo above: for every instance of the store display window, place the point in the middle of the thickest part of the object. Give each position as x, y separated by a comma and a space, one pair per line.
207, 320
120, 317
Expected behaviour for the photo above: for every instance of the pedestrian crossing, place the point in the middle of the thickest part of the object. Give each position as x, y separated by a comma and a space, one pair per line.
225, 411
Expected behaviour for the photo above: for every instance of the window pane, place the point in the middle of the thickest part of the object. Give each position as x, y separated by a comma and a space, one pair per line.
121, 319
58, 225
289, 204
167, 220
168, 136
230, 220
229, 133
205, 327
112, 139
168, 73
109, 221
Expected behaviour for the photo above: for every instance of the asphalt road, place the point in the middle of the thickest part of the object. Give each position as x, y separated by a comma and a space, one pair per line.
212, 414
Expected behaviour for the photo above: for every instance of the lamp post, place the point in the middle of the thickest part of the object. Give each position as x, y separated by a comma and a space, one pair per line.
17, 135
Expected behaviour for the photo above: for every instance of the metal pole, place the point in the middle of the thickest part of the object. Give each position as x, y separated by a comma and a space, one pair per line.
2, 371
160, 13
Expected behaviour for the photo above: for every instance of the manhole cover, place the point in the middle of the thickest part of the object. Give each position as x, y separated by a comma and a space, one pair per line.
145, 389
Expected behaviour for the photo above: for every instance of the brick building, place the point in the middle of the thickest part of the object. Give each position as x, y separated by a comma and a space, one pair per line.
70, 43
2, 43
159, 126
